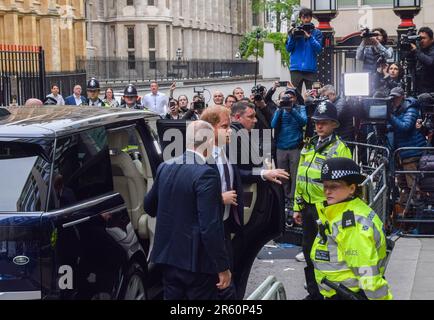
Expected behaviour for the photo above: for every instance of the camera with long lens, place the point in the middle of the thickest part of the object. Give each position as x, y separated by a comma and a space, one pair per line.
200, 104
407, 40
298, 30
367, 34
258, 92
286, 103
426, 102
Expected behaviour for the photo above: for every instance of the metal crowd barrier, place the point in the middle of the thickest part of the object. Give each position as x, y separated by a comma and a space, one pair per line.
271, 289
417, 212
374, 161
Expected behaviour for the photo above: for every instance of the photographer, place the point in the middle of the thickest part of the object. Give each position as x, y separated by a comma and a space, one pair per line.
345, 113
402, 124
373, 50
288, 123
425, 61
304, 44
390, 78
374, 53
174, 111
196, 108
263, 112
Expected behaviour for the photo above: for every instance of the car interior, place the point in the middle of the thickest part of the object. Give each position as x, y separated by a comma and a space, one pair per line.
132, 177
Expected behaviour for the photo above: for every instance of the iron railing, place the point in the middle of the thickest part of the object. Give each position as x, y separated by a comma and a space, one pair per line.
22, 73
118, 69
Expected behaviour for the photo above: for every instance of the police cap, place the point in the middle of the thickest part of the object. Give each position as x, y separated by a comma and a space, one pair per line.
326, 111
93, 84
341, 169
130, 91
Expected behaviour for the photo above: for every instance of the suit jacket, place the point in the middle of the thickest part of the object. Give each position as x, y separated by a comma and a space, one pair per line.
186, 199
238, 187
250, 172
70, 101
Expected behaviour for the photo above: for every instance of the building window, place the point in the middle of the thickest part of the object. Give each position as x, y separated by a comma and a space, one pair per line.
131, 37
131, 60
130, 2
152, 47
377, 2
255, 19
152, 2
348, 3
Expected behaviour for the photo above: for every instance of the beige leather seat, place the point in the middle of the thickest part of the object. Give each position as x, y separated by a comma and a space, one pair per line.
127, 180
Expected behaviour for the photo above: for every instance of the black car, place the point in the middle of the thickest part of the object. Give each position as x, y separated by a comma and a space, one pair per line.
72, 224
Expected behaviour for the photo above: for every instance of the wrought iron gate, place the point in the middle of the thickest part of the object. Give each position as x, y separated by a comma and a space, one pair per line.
22, 74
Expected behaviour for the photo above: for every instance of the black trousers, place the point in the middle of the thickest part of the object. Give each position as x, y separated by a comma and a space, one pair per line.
310, 231
186, 285
229, 293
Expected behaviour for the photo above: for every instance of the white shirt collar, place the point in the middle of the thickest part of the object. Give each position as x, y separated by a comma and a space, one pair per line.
198, 154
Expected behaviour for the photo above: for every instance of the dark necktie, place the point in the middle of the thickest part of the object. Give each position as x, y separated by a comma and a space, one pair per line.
233, 210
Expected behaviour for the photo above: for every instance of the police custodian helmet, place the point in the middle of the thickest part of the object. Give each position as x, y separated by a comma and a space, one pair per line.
130, 91
93, 84
326, 111
341, 169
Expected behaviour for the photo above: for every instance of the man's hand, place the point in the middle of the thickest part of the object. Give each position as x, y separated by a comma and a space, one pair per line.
297, 218
276, 85
413, 47
260, 104
307, 34
173, 87
230, 198
290, 85
276, 174
224, 280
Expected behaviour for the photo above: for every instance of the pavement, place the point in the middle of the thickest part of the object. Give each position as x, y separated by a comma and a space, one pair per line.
410, 272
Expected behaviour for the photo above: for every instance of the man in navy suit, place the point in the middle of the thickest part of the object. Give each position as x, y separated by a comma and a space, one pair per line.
76, 99
189, 237
231, 185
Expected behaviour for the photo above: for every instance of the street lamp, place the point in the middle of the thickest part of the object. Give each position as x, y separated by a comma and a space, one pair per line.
406, 10
324, 11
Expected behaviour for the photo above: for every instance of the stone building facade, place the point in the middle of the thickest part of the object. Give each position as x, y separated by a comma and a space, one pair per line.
57, 26
157, 29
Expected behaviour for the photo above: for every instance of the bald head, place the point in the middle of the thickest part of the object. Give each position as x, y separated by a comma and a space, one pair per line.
219, 98
34, 102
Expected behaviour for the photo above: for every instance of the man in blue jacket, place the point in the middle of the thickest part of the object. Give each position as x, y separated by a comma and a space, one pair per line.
402, 124
304, 52
288, 123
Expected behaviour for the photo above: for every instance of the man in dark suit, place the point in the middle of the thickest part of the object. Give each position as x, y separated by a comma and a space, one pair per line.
189, 236
244, 148
76, 99
231, 185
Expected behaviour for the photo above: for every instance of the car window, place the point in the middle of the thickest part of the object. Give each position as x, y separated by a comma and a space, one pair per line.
82, 168
25, 173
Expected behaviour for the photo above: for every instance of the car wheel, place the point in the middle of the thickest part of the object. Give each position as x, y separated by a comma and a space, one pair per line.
134, 287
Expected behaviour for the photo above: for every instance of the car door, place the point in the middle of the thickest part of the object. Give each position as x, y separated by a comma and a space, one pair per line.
24, 170
264, 210
87, 228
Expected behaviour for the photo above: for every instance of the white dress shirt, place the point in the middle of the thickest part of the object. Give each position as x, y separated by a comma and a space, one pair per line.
78, 101
156, 103
220, 158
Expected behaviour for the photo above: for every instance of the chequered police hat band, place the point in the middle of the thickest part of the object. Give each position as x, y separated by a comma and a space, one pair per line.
337, 174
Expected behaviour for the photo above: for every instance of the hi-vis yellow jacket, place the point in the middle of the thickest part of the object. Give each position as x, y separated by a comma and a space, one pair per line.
312, 159
350, 249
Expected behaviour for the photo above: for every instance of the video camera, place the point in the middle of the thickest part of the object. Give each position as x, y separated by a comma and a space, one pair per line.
367, 33
199, 105
408, 39
298, 31
426, 102
258, 92
286, 102
376, 110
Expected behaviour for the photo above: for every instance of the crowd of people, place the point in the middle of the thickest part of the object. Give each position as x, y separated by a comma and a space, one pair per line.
343, 239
